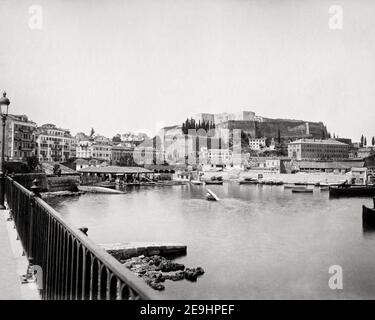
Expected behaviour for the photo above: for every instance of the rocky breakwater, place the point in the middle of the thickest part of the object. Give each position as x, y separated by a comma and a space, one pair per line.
155, 270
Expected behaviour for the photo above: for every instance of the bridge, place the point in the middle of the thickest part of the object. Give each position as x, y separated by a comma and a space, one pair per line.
69, 264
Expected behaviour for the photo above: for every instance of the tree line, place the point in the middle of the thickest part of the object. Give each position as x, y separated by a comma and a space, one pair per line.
191, 124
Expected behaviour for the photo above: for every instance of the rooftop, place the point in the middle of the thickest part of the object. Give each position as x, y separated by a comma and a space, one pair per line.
114, 170
319, 141
330, 164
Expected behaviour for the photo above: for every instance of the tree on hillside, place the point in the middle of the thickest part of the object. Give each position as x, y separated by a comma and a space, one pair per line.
92, 132
278, 136
362, 140
373, 141
365, 142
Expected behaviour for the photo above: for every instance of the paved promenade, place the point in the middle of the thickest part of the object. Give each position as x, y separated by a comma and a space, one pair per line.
12, 264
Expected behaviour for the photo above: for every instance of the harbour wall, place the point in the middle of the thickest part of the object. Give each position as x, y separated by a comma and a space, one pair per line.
284, 177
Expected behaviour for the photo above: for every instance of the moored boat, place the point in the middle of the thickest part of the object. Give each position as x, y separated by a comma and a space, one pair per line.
196, 182
368, 216
346, 190
302, 190
215, 180
249, 181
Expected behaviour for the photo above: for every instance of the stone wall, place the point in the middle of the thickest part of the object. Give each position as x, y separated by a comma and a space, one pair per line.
290, 129
63, 183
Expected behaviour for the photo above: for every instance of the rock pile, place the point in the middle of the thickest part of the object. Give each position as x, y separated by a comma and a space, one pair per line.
156, 269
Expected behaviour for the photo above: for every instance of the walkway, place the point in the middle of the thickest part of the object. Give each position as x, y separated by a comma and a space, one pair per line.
12, 264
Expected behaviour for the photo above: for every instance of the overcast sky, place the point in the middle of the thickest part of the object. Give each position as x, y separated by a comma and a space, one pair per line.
120, 65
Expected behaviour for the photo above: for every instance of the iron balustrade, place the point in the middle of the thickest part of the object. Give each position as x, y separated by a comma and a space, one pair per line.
73, 266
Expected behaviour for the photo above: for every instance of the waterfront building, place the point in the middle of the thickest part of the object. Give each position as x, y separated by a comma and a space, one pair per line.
80, 164
265, 163
53, 143
216, 157
19, 138
315, 149
327, 166
122, 155
91, 149
93, 174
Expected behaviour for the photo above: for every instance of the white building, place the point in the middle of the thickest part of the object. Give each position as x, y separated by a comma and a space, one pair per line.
19, 138
316, 149
257, 143
215, 156
89, 149
54, 144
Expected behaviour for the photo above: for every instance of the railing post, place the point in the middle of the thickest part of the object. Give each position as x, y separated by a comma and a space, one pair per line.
30, 254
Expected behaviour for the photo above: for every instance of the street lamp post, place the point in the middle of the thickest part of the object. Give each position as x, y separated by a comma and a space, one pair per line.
4, 104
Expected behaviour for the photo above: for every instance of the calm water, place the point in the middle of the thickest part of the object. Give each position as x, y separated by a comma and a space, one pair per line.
258, 242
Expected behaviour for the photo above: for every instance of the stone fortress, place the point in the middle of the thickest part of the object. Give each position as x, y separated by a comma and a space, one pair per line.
257, 126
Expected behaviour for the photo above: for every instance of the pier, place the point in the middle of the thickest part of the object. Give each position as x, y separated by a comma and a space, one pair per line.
122, 251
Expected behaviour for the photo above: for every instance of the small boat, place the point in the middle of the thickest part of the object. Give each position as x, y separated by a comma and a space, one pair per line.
111, 185
196, 182
302, 190
346, 190
368, 216
211, 196
214, 180
330, 184
249, 181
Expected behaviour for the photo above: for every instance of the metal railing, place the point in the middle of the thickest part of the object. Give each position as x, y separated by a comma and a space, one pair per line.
73, 267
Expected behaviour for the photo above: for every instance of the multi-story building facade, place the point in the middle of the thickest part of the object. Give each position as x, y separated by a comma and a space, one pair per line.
53, 143
94, 150
215, 156
123, 155
314, 149
257, 143
83, 149
19, 138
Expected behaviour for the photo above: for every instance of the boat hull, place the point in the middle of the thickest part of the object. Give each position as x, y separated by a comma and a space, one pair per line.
348, 191
302, 191
368, 217
214, 182
248, 182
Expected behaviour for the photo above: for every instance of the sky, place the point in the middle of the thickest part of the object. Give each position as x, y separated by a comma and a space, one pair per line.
138, 65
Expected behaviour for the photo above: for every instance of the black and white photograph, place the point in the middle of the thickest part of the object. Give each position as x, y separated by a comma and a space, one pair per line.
212, 150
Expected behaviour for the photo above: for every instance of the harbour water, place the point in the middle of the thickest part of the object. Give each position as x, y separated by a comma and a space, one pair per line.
257, 242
